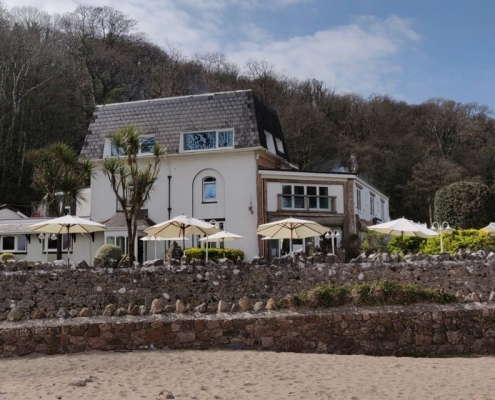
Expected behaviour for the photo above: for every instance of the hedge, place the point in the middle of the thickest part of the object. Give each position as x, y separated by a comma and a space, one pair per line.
214, 254
467, 239
465, 205
459, 239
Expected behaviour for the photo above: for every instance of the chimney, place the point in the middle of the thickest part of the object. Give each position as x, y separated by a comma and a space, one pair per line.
354, 164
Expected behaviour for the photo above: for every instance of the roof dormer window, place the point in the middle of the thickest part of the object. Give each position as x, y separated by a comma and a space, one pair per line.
270, 142
146, 146
208, 140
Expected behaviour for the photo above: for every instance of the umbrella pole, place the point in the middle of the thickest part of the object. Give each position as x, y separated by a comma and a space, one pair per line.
291, 249
206, 249
183, 241
68, 247
155, 248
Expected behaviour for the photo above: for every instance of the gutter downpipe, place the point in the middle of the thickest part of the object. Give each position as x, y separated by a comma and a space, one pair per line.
169, 185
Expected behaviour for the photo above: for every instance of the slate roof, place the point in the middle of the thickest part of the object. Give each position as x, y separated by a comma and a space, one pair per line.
167, 118
117, 221
19, 225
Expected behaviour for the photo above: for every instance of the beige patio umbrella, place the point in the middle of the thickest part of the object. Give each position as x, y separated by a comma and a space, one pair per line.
67, 224
152, 239
180, 227
221, 237
291, 228
403, 227
490, 227
160, 239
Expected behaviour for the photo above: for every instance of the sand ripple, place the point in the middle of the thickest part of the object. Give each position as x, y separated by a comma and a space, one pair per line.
241, 375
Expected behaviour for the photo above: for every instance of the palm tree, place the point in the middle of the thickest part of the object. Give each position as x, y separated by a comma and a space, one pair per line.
60, 177
131, 183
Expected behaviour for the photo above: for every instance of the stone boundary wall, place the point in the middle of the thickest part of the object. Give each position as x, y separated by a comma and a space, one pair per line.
42, 290
382, 331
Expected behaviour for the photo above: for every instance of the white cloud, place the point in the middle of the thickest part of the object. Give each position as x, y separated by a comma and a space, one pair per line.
219, 5
50, 6
362, 56
358, 57
250, 31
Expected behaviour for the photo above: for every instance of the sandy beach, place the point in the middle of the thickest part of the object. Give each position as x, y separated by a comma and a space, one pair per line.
216, 374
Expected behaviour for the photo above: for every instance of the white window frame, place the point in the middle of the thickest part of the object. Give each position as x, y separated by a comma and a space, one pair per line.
116, 240
16, 244
209, 180
217, 133
270, 143
130, 193
109, 147
305, 195
372, 204
319, 197
358, 199
45, 244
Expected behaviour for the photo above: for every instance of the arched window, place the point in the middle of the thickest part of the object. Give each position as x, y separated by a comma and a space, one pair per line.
209, 189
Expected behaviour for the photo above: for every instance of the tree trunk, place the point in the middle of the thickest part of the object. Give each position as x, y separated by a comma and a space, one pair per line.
130, 241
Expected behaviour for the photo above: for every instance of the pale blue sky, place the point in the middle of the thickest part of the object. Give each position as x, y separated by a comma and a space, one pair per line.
409, 50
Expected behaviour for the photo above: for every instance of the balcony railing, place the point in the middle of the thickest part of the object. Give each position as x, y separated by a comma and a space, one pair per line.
307, 203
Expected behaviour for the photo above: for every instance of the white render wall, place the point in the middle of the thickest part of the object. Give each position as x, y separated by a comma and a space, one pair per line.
83, 208
235, 172
82, 249
310, 178
365, 211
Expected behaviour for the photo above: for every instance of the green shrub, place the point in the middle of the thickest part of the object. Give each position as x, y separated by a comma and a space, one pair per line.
214, 254
374, 242
328, 296
109, 252
235, 254
6, 257
196, 253
467, 239
465, 205
405, 244
369, 294
300, 299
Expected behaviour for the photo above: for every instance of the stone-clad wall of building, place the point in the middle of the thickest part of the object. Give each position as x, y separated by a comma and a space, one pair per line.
400, 331
47, 290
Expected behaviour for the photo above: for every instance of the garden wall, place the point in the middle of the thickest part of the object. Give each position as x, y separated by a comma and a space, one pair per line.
42, 290
414, 330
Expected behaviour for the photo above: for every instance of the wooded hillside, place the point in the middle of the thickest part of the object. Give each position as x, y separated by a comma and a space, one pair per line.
55, 69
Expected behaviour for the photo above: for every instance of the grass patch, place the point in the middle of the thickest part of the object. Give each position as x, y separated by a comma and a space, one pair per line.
384, 292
